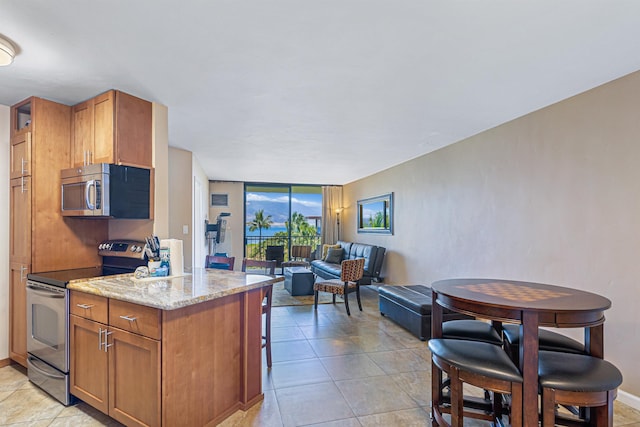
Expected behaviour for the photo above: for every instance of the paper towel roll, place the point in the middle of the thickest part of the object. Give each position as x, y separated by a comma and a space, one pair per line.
176, 257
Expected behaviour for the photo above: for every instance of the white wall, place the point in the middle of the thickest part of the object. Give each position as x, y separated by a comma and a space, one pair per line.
551, 197
4, 232
200, 212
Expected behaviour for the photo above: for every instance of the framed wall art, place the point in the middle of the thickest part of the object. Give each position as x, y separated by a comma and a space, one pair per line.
375, 214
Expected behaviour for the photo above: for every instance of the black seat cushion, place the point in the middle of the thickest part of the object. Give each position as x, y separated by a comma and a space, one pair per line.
576, 372
474, 330
548, 340
414, 297
478, 357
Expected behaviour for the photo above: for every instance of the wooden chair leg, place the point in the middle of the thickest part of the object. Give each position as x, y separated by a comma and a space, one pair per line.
515, 417
268, 338
457, 398
358, 296
315, 300
334, 298
603, 415
346, 302
548, 407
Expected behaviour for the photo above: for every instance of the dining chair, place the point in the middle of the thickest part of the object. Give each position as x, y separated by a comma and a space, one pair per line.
220, 262
298, 257
350, 274
267, 268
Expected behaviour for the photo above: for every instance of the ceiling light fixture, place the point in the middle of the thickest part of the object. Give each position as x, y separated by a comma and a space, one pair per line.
7, 52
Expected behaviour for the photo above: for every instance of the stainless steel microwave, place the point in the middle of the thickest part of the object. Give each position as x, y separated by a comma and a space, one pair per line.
106, 190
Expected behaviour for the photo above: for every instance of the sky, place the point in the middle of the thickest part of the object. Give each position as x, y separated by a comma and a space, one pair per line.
277, 205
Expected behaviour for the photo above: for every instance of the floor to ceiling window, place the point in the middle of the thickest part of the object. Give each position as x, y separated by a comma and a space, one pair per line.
278, 216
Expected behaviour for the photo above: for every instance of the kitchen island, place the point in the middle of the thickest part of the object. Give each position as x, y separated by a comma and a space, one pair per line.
168, 351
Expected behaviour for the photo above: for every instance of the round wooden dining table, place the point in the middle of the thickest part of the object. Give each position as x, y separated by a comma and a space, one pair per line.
531, 305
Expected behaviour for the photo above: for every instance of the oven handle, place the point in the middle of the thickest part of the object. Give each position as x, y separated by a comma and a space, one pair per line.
31, 361
45, 294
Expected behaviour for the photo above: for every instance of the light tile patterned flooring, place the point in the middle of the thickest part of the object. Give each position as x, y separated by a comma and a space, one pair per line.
328, 370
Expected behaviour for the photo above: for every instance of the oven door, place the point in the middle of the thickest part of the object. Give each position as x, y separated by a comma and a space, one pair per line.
48, 323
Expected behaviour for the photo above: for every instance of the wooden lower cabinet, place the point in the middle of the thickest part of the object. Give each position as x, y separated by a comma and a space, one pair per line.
123, 381
89, 367
134, 378
192, 366
18, 313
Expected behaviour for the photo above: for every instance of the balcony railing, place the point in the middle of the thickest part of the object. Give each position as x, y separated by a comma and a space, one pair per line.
257, 249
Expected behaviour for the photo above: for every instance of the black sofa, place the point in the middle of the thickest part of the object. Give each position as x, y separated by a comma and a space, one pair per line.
373, 257
410, 307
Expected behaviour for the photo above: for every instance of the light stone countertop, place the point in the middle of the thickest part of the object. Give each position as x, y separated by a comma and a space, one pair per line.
169, 293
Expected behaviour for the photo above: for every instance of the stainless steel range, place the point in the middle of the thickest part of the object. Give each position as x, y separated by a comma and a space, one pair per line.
48, 314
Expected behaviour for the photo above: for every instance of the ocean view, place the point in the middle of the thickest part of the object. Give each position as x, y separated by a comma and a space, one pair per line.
265, 233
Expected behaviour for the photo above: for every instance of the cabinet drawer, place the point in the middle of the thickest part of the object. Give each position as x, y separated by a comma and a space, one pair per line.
135, 318
89, 306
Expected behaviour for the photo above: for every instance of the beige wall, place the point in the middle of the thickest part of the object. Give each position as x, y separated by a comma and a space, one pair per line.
4, 232
180, 200
551, 197
235, 223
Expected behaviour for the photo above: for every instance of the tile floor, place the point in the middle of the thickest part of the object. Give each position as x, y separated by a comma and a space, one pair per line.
328, 370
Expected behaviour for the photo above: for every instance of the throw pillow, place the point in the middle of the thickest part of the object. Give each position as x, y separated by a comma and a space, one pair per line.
334, 256
326, 247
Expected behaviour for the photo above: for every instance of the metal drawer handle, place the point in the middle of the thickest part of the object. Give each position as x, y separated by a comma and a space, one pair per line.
106, 339
85, 306
129, 317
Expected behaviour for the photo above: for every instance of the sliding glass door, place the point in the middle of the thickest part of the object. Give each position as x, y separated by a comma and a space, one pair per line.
278, 216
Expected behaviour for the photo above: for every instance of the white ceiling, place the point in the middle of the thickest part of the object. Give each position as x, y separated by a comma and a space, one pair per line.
324, 91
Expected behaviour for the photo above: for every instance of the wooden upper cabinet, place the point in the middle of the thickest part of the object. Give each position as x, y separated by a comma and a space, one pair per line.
21, 117
103, 121
82, 133
20, 155
113, 127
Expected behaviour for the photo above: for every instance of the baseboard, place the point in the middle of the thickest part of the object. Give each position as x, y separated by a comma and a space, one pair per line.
5, 362
629, 399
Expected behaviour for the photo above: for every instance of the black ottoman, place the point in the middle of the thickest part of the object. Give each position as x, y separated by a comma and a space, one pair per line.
410, 307
298, 281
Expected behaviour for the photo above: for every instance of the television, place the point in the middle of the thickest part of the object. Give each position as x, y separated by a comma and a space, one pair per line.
221, 228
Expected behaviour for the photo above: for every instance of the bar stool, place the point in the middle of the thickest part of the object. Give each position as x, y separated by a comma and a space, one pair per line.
267, 292
476, 363
267, 268
547, 341
580, 380
471, 330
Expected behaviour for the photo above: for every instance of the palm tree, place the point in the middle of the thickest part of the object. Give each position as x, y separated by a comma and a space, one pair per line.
260, 222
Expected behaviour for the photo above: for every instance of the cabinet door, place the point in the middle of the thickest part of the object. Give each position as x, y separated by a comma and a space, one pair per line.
18, 312
20, 155
133, 127
134, 379
89, 362
20, 220
82, 134
103, 128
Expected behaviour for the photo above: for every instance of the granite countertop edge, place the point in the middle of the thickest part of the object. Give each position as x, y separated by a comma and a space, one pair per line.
170, 293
